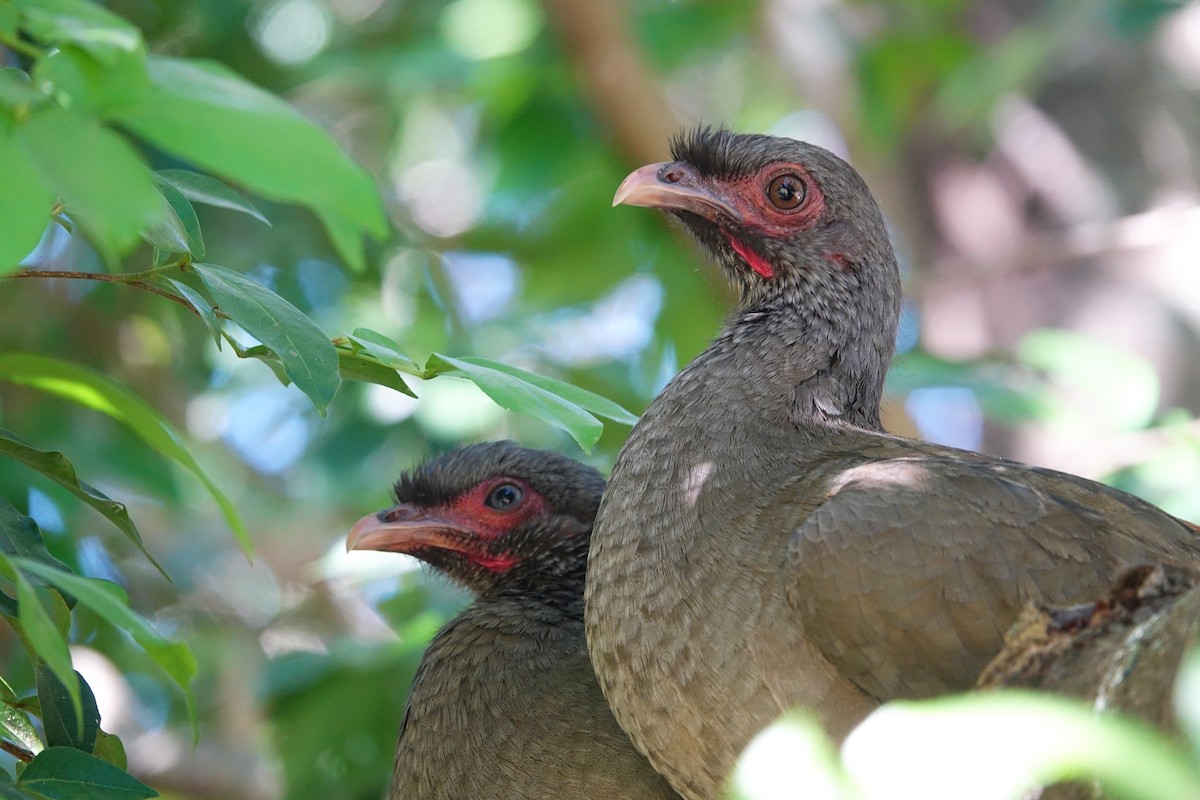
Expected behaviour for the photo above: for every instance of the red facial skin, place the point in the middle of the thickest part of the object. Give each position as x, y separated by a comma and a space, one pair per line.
465, 525
735, 206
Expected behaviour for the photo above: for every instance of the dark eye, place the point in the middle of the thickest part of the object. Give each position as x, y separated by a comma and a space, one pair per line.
786, 192
505, 496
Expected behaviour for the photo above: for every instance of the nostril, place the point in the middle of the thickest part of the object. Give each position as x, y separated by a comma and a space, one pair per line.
670, 174
397, 514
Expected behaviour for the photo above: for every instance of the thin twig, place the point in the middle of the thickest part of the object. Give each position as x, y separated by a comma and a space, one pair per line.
129, 279
16, 751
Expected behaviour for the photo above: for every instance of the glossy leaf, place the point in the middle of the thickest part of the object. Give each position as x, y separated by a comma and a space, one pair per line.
307, 355
58, 468
42, 632
25, 202
109, 601
64, 773
202, 306
100, 393
62, 726
384, 349
18, 726
87, 165
79, 22
515, 394
19, 536
363, 367
180, 225
598, 405
214, 118
201, 188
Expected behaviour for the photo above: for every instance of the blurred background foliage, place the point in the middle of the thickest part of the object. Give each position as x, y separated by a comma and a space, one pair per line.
1037, 160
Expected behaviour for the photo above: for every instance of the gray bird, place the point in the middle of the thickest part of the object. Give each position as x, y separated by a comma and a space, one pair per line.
762, 543
505, 703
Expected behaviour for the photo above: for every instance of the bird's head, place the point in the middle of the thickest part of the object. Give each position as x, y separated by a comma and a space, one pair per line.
785, 219
490, 516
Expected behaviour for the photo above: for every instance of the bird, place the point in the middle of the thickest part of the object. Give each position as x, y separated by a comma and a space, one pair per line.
504, 702
763, 543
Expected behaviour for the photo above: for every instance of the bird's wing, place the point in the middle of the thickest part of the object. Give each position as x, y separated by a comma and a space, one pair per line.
909, 572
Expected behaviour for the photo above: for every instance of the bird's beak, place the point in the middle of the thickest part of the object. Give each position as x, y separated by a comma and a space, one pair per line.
402, 529
675, 186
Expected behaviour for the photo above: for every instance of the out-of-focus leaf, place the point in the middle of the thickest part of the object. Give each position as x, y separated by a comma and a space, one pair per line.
200, 188
88, 165
25, 202
100, 393
363, 367
1000, 745
306, 353
384, 349
178, 230
515, 394
108, 600
1120, 389
64, 773
600, 406
214, 118
88, 25
111, 749
16, 89
16, 722
58, 468
1187, 700
166, 233
791, 758
63, 728
1006, 392
202, 306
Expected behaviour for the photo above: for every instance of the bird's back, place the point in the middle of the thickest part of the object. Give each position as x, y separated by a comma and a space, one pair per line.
742, 569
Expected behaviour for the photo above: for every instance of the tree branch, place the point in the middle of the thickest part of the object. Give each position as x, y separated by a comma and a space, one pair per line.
129, 279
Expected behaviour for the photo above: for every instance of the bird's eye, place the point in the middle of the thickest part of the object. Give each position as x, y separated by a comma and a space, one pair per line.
504, 497
786, 192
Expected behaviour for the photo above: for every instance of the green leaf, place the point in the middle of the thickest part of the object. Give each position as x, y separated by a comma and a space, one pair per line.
1000, 745
515, 394
64, 773
384, 349
62, 726
108, 600
25, 203
16, 722
88, 165
200, 188
179, 224
58, 468
79, 22
600, 406
196, 301
307, 355
16, 89
364, 367
209, 115
19, 536
100, 393
42, 633
110, 748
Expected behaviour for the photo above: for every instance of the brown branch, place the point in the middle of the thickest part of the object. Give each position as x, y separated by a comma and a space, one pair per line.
105, 277
597, 42
16, 751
